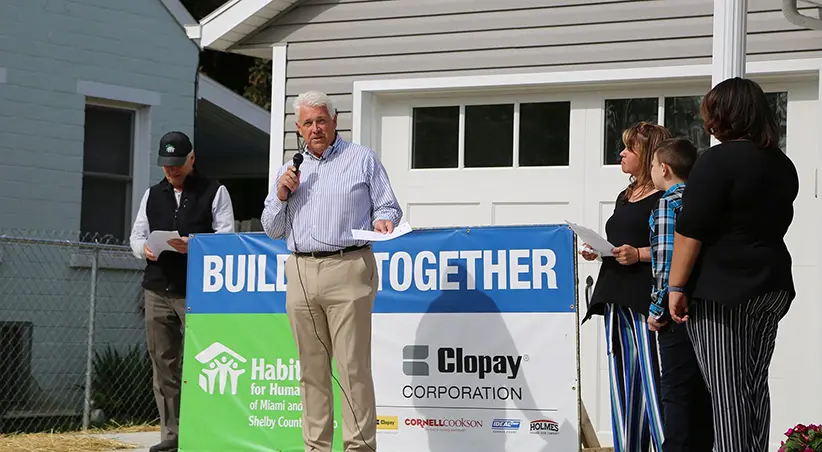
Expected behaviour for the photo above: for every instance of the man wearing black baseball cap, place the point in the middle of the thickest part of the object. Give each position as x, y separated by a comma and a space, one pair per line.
186, 202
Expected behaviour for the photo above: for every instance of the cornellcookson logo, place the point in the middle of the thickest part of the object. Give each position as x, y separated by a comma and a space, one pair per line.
544, 427
459, 424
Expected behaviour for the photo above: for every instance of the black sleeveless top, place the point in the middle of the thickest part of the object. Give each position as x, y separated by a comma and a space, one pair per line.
626, 285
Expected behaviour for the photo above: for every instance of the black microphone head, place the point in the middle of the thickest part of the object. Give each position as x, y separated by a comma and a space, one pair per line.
298, 160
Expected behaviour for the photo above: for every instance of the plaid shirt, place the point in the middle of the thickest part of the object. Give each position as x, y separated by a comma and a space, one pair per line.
662, 222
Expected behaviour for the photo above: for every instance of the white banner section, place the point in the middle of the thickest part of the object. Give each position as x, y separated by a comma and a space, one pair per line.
478, 382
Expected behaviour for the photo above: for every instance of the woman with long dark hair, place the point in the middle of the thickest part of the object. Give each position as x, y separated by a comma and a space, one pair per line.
731, 262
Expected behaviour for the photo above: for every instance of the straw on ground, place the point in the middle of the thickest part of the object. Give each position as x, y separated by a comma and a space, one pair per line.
59, 442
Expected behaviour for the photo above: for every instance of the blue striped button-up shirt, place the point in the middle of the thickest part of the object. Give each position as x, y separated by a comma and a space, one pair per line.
346, 188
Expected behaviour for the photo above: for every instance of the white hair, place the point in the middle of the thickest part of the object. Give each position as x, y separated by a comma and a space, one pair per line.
314, 99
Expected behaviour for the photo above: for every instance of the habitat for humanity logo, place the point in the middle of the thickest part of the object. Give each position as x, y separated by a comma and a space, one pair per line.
220, 368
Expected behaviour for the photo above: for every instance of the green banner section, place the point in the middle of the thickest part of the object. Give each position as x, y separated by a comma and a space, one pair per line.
241, 386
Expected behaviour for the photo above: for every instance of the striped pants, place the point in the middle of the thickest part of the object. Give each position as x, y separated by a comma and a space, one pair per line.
634, 371
734, 348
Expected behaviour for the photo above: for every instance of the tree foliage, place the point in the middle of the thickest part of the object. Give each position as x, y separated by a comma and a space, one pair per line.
247, 76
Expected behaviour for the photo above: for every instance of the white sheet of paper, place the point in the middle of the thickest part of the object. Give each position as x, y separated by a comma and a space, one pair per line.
594, 240
374, 236
158, 241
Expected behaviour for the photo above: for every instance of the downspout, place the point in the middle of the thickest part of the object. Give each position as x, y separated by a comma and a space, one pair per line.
790, 10
196, 101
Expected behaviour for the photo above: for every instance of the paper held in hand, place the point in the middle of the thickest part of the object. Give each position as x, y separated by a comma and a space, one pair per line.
374, 236
158, 241
594, 240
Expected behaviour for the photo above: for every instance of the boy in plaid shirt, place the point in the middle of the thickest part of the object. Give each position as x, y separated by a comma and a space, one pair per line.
686, 402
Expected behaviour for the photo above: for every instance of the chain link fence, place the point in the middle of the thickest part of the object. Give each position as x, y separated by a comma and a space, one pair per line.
72, 333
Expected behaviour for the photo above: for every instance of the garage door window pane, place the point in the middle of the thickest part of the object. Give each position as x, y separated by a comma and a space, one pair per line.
682, 119
544, 134
621, 114
435, 141
779, 105
489, 136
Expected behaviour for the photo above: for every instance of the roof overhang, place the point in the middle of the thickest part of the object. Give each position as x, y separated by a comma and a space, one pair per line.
229, 24
232, 133
182, 16
233, 103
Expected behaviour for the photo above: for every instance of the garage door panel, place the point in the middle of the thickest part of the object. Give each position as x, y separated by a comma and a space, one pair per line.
446, 214
801, 129
528, 213
500, 184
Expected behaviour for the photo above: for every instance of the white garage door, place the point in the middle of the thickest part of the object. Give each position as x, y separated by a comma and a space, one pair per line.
547, 157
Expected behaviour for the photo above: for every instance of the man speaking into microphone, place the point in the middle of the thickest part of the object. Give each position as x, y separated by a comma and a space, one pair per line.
332, 278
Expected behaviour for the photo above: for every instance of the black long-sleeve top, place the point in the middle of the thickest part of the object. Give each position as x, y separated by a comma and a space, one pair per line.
739, 203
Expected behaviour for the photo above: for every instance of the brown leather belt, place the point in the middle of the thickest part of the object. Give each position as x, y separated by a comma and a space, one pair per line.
321, 254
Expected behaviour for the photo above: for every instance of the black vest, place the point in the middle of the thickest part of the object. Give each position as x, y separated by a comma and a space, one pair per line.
168, 273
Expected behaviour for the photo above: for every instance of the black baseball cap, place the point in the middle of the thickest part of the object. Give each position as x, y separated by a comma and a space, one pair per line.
174, 148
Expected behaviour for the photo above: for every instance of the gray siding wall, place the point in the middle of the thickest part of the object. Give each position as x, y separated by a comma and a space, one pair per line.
332, 43
46, 47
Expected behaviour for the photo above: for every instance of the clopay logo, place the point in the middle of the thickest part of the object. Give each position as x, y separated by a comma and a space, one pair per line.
454, 360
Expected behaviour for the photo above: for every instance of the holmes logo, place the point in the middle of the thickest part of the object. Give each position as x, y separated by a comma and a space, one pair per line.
221, 368
544, 427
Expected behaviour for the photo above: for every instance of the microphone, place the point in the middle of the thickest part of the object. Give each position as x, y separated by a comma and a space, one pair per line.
297, 161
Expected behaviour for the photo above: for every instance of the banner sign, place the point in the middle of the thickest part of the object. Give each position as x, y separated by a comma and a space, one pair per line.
473, 345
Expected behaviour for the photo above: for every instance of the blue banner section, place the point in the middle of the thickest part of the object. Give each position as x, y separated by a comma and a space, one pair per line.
488, 269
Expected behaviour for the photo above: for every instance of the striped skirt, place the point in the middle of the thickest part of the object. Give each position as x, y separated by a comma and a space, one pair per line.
734, 348
633, 365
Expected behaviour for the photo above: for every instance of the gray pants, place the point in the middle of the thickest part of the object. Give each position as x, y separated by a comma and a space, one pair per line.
165, 323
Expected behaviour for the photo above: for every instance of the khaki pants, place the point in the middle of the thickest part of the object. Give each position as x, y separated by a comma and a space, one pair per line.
339, 293
165, 322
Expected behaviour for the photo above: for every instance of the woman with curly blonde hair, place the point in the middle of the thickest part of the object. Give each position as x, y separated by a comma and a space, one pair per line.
622, 294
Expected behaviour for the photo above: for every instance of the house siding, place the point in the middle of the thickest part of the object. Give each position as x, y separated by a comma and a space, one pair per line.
45, 48
331, 44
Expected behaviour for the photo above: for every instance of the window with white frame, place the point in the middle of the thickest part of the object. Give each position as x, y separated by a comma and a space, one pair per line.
108, 159
680, 116
494, 135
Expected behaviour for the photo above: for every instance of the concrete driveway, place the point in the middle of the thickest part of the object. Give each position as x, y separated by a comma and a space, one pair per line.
143, 440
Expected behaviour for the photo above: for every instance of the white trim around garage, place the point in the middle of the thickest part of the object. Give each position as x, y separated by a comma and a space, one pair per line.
2, 75
363, 109
276, 148
228, 100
